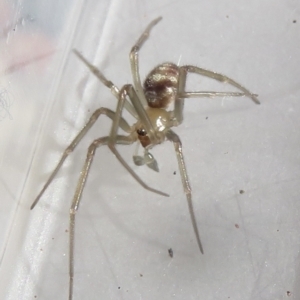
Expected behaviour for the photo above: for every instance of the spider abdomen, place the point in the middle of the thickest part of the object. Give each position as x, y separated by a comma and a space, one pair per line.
160, 86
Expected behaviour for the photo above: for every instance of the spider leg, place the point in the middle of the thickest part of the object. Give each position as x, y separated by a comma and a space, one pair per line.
173, 137
114, 90
179, 103
134, 60
222, 78
143, 116
211, 94
128, 90
101, 111
120, 139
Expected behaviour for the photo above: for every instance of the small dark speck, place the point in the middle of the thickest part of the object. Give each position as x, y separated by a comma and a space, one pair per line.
119, 287
277, 230
288, 293
174, 173
236, 225
227, 16
242, 191
141, 275
35, 296
170, 252
295, 21
206, 118
66, 230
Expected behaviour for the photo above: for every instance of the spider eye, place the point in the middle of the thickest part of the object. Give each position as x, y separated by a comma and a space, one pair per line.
141, 132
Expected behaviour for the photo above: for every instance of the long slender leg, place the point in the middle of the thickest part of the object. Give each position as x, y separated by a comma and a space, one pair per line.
114, 90
124, 140
127, 89
212, 94
134, 60
105, 111
143, 117
171, 136
179, 102
182, 94
222, 78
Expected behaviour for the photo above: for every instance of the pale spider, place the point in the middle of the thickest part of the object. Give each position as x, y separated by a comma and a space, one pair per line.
164, 85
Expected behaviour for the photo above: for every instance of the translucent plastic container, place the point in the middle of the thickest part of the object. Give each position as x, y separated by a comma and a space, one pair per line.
242, 159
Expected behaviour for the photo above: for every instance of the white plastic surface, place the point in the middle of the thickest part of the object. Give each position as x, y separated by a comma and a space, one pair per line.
242, 159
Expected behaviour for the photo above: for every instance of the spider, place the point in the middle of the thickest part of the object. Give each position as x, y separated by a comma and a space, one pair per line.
148, 104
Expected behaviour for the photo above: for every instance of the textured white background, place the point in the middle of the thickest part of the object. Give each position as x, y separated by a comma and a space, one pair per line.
123, 232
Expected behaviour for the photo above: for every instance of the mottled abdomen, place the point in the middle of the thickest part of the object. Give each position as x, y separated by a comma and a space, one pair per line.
160, 86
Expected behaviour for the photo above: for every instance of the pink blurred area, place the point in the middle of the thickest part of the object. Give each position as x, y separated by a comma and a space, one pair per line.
21, 46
